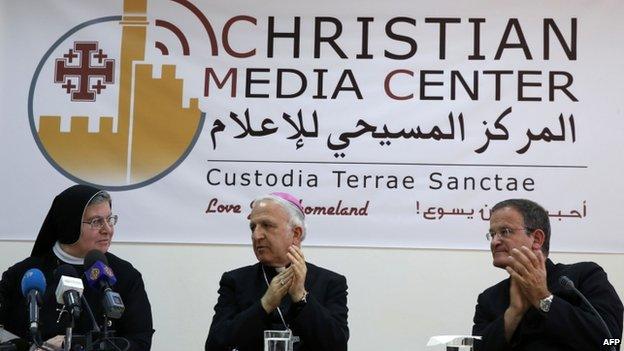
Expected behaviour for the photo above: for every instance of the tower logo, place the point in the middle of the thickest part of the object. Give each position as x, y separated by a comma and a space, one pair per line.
99, 114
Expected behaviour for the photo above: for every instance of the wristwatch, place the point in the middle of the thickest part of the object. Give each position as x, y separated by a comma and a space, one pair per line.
544, 304
304, 299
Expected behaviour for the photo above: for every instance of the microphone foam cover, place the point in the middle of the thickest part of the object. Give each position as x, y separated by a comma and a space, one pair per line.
566, 282
33, 279
100, 272
94, 256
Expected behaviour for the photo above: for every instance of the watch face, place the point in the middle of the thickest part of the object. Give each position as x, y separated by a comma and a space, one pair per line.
545, 304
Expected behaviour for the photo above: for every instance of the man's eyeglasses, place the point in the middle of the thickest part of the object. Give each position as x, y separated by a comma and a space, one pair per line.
98, 222
503, 233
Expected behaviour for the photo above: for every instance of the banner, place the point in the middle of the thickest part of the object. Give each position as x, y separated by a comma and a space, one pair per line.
398, 124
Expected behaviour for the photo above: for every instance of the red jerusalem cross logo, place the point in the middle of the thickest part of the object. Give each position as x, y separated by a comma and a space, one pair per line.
84, 71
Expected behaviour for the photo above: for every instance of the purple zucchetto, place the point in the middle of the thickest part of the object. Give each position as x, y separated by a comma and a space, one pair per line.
290, 198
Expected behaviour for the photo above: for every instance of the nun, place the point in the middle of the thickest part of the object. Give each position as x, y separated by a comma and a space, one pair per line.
79, 221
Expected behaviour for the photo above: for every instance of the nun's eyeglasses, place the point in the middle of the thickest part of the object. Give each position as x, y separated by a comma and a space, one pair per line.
98, 222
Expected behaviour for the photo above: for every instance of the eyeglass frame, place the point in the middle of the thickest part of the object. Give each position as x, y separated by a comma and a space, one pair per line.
507, 232
114, 218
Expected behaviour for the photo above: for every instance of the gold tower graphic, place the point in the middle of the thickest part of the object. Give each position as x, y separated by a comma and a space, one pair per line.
153, 130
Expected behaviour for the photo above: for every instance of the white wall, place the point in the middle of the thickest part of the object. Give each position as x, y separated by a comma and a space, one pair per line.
397, 297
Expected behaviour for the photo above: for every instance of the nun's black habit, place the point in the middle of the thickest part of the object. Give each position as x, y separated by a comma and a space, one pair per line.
63, 224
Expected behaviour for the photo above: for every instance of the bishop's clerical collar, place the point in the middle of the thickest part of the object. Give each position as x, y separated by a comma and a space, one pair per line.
65, 257
271, 272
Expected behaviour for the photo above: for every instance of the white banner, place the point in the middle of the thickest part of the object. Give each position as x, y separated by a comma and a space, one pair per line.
398, 124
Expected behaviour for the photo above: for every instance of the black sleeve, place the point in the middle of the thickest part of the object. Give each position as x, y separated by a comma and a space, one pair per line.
136, 322
232, 328
490, 327
10, 297
575, 325
4, 298
324, 326
10, 305
568, 322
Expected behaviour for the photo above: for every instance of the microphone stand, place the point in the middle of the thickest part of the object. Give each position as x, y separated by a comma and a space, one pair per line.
39, 343
595, 313
569, 284
68, 334
105, 326
103, 345
95, 329
34, 325
36, 338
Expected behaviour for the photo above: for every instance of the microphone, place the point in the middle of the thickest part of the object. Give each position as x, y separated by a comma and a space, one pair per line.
101, 277
568, 284
69, 289
33, 287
